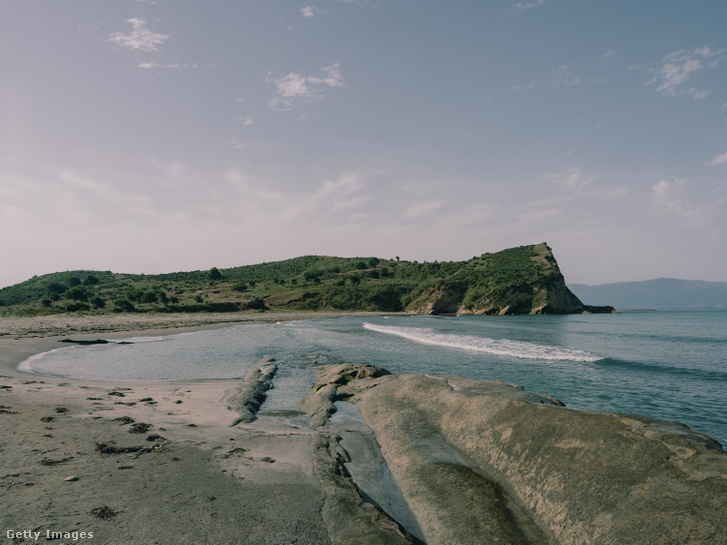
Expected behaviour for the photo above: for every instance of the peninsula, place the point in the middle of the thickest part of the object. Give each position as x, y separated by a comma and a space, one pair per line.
522, 280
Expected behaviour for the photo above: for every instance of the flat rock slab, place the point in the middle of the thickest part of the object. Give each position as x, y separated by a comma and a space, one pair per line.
483, 460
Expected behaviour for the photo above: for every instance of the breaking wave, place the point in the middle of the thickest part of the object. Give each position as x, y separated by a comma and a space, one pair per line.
500, 347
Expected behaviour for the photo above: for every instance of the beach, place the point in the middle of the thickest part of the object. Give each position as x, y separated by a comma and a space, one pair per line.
384, 459
149, 462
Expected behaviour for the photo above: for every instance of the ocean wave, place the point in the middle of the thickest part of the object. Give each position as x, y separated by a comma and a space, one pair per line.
499, 347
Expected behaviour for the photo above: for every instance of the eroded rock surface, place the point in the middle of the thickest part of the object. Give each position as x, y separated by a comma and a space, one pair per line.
250, 395
484, 461
320, 405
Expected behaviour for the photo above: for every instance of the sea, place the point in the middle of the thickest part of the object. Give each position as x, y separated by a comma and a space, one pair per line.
668, 365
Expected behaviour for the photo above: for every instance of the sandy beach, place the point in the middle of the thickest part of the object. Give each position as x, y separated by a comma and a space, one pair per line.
153, 462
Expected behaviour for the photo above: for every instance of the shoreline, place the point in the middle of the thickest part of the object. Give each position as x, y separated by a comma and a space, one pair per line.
22, 337
195, 474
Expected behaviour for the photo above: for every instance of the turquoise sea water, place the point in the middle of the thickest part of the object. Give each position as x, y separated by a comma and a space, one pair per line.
670, 365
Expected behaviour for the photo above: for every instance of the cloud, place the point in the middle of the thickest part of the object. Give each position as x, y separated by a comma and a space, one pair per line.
307, 11
176, 66
246, 120
295, 87
422, 209
667, 201
677, 68
574, 179
560, 78
519, 7
564, 78
719, 159
140, 38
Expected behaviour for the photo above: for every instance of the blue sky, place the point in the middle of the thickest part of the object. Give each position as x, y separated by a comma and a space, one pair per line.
159, 136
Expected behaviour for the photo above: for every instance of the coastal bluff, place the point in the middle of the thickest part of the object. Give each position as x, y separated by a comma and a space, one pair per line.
488, 462
522, 280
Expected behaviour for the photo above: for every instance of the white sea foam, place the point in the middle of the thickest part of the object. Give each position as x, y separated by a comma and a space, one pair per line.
500, 347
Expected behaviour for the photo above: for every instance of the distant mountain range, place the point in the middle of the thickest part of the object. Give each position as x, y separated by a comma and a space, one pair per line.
662, 293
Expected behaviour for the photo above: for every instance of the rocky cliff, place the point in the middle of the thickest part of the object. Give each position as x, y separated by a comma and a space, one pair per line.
524, 280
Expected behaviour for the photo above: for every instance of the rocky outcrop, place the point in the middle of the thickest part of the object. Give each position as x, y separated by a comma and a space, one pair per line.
247, 398
524, 280
488, 462
320, 405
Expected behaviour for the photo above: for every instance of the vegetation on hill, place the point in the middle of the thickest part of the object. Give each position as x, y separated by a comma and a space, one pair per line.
514, 281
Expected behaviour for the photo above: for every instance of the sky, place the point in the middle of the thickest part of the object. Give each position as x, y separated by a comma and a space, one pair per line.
152, 136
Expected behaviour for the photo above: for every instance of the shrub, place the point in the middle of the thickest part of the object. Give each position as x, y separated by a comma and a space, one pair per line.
215, 274
313, 275
74, 281
123, 305
75, 307
240, 286
77, 293
98, 302
56, 287
90, 280
256, 304
149, 297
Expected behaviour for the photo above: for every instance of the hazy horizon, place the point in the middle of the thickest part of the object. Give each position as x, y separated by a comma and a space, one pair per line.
151, 136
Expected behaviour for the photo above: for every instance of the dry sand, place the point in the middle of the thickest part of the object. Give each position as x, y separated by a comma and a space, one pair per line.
189, 478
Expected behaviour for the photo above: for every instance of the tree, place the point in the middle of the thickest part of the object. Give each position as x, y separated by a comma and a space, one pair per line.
163, 299
56, 287
98, 302
74, 281
215, 274
149, 297
90, 280
77, 293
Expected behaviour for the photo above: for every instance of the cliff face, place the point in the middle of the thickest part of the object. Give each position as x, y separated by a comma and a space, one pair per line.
524, 280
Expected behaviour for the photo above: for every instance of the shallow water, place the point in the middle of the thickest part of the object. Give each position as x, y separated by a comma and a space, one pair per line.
670, 365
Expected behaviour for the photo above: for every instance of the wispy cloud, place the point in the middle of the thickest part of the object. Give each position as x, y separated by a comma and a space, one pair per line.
667, 200
519, 7
559, 78
574, 179
175, 66
582, 184
422, 209
563, 77
140, 38
295, 87
308, 11
676, 69
719, 160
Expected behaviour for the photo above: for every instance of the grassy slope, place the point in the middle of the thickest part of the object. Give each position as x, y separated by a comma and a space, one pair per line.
308, 282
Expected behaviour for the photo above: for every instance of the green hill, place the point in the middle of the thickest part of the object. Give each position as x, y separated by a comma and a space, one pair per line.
523, 280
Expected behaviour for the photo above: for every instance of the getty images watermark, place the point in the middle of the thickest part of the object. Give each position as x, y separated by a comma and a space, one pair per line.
48, 534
